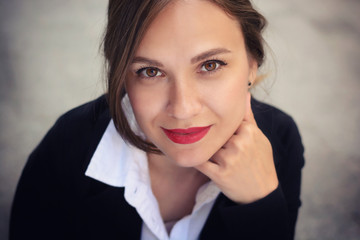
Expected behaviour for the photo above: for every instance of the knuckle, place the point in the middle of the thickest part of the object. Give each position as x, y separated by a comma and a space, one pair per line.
235, 144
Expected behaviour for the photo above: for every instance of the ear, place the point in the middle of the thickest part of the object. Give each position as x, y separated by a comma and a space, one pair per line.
253, 67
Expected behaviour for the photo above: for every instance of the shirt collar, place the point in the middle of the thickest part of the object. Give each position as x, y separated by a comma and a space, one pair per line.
110, 163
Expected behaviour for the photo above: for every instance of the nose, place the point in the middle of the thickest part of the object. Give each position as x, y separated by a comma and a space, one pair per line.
184, 100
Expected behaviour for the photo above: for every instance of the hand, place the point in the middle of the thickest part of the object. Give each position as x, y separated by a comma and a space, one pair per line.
244, 168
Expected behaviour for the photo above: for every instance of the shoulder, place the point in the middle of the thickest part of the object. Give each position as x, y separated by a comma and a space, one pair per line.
73, 138
280, 128
82, 120
274, 122
270, 116
53, 182
85, 115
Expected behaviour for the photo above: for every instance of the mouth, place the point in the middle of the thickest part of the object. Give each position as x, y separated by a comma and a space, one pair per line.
186, 136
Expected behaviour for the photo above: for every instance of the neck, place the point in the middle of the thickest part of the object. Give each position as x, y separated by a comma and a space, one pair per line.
173, 185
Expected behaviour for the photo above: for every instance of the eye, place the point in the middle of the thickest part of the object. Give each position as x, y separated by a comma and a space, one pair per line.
149, 72
212, 65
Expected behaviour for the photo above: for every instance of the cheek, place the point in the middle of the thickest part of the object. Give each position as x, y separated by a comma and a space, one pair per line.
233, 109
228, 101
146, 105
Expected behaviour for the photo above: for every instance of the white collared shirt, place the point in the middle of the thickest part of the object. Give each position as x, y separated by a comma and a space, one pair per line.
122, 165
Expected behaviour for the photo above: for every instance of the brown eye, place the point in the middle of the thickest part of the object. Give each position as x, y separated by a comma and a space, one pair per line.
151, 72
210, 66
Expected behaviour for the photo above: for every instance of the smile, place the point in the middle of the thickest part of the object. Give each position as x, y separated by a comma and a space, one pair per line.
186, 136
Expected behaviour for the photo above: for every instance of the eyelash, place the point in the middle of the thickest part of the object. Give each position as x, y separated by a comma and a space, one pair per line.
140, 71
219, 63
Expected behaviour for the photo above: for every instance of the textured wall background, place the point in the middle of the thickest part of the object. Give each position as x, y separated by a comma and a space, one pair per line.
49, 63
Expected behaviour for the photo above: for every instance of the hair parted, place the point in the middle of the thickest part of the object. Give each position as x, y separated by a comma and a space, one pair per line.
127, 23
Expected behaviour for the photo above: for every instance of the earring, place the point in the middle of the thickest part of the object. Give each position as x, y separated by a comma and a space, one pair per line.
249, 84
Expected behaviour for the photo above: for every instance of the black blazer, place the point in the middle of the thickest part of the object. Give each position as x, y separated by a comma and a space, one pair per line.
55, 200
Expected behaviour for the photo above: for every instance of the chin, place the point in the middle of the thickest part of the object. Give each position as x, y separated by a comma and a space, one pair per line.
189, 158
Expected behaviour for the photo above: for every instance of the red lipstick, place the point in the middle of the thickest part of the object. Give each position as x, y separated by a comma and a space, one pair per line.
186, 136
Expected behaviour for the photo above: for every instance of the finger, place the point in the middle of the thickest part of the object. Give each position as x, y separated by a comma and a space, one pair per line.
249, 115
209, 169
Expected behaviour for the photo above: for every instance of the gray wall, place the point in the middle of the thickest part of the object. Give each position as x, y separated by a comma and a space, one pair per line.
49, 63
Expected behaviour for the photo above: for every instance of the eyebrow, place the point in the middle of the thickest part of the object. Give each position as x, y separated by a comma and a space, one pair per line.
147, 61
209, 53
197, 58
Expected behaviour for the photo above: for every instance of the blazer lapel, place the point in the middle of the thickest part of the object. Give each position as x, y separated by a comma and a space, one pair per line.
101, 210
105, 214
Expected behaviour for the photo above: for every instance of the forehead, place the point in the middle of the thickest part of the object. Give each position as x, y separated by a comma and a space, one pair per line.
194, 26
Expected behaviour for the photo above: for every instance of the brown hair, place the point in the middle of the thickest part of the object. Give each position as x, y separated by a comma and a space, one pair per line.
128, 21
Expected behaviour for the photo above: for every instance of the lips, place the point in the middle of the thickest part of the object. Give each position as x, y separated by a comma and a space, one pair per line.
186, 136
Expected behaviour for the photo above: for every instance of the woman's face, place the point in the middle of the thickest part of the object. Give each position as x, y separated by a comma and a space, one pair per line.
189, 79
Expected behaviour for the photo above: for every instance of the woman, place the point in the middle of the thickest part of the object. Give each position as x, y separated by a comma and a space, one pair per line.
177, 149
